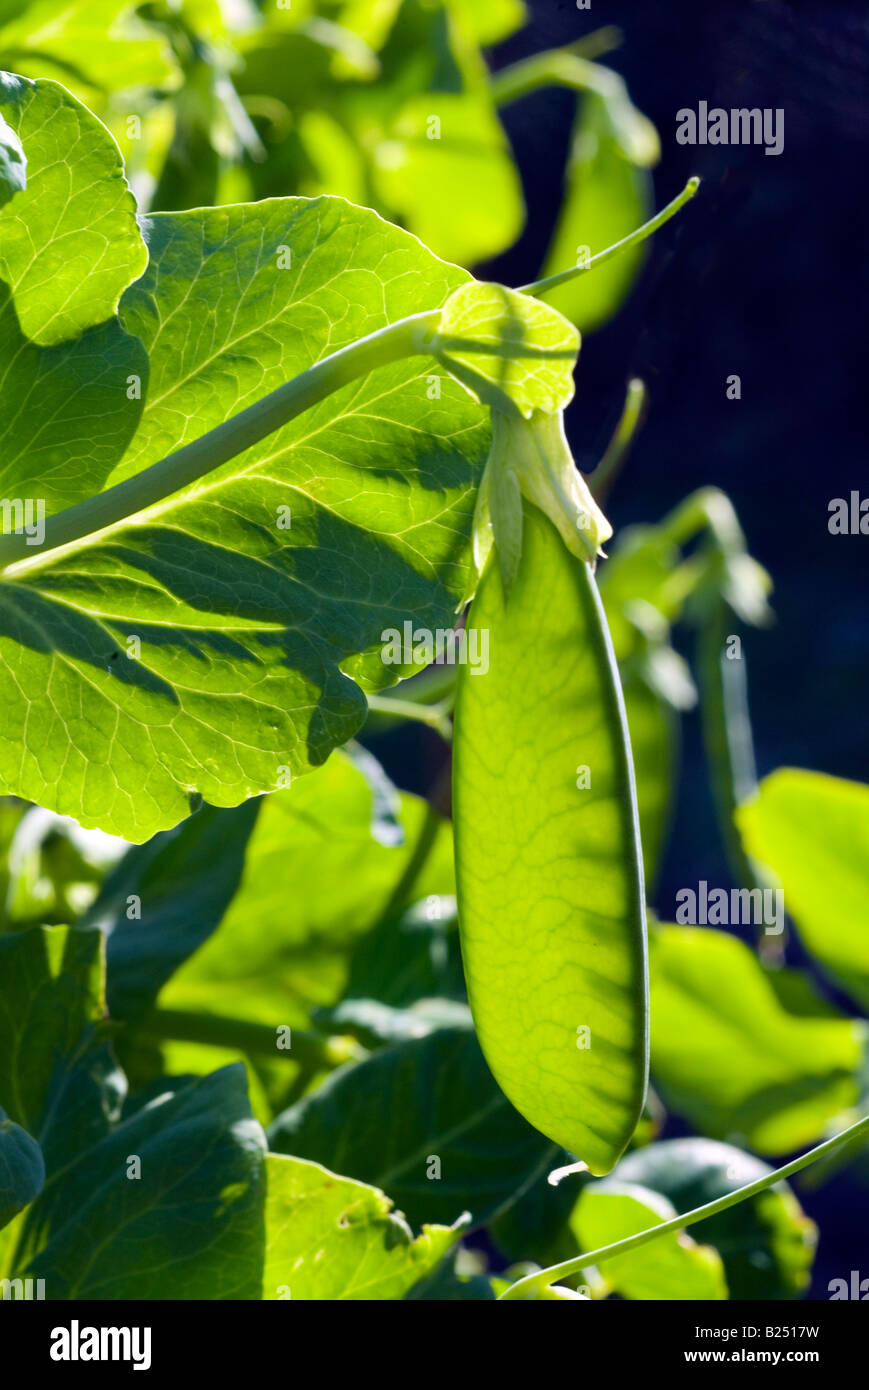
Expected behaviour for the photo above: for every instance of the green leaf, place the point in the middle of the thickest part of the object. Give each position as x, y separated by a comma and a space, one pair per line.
608, 194
251, 619
69, 242
316, 881
550, 884
766, 1243
493, 20
53, 1008
453, 183
330, 1238
508, 349
90, 43
189, 1227
425, 1122
163, 899
756, 1073
22, 1169
69, 245
672, 1267
72, 418
813, 832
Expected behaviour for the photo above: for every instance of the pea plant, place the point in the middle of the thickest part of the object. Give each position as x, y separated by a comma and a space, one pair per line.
277, 475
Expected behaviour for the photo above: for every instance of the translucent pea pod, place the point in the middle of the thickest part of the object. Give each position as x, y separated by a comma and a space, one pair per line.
549, 869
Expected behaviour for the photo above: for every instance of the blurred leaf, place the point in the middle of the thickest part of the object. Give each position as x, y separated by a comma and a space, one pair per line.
654, 731
316, 880
492, 21
607, 196
54, 867
753, 1073
672, 1267
766, 1243
91, 44
330, 1238
425, 1121
445, 168
813, 832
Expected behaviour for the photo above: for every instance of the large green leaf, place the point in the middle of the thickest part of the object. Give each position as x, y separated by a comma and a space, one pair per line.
757, 1072
424, 1121
69, 243
813, 832
328, 1237
188, 1225
672, 1267
248, 631
550, 886
766, 1243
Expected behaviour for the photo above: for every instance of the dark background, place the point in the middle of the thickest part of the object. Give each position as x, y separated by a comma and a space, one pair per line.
763, 275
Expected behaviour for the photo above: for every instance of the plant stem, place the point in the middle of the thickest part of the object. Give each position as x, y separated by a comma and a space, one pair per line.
543, 1277
412, 336
557, 67
307, 1048
634, 238
406, 338
601, 480
436, 716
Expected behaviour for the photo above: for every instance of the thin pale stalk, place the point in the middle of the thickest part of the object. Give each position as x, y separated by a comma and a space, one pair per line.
543, 1277
538, 287
406, 338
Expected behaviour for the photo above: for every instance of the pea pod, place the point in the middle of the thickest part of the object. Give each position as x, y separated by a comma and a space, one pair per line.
550, 890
